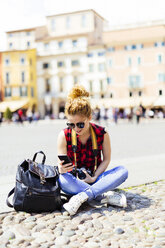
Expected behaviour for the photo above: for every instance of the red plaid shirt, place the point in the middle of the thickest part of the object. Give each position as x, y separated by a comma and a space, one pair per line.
84, 153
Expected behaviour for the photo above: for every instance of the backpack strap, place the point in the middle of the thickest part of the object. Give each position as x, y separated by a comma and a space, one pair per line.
7, 200
94, 145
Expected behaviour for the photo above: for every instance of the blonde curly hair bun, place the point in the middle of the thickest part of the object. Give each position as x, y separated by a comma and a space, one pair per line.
78, 102
78, 91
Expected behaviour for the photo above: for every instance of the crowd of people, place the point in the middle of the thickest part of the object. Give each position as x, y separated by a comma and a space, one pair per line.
111, 114
20, 116
130, 114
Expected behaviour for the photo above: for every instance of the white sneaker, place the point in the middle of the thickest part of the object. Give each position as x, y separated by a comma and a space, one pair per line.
115, 199
75, 202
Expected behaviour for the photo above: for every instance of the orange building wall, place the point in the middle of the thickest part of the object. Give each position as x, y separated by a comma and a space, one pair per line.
1, 85
148, 69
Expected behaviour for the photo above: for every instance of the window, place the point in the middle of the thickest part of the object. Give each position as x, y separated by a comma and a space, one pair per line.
161, 77
46, 45
133, 47
28, 33
134, 81
111, 95
111, 49
91, 86
53, 24
47, 85
75, 62
140, 93
101, 85
139, 46
61, 81
129, 61
75, 80
8, 92
10, 35
159, 58
22, 60
128, 47
101, 54
7, 61
28, 44
109, 80
45, 65
15, 91
90, 55
160, 92
7, 78
101, 67
32, 92
74, 43
130, 94
23, 91
60, 64
68, 22
159, 44
22, 76
60, 44
138, 60
83, 21
110, 63
10, 44
91, 67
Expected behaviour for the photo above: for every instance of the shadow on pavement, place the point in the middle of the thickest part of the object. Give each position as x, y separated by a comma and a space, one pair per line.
134, 202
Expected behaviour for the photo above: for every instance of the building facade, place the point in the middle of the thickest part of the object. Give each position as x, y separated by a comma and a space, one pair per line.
121, 67
63, 56
1, 86
21, 39
19, 78
136, 64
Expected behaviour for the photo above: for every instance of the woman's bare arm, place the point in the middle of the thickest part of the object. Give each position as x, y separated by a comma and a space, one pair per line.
106, 156
61, 150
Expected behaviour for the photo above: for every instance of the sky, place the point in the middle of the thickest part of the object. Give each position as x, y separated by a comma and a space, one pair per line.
18, 14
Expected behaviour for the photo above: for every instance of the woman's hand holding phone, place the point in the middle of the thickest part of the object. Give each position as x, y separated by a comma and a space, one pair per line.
64, 165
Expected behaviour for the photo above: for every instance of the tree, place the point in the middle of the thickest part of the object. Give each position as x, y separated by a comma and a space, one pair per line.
8, 114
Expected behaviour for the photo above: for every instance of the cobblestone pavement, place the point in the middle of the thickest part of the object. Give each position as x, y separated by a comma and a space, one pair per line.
141, 224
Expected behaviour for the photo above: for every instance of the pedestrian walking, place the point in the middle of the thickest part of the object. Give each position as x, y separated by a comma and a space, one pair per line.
0, 118
90, 163
20, 116
138, 115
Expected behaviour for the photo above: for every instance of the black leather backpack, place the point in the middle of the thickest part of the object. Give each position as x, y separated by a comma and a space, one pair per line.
37, 188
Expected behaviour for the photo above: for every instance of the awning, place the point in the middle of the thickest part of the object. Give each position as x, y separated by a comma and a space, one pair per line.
12, 105
123, 102
160, 101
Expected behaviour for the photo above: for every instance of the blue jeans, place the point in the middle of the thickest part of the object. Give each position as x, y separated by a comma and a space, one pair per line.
106, 181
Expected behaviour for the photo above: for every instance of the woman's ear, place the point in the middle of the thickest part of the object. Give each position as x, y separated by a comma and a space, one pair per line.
90, 118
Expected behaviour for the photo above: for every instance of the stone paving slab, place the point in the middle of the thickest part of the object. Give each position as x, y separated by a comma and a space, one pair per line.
140, 225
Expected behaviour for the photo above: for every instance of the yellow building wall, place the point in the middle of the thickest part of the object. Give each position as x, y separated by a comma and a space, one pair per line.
15, 68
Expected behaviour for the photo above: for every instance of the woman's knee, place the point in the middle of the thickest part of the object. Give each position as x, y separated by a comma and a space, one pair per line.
124, 171
65, 178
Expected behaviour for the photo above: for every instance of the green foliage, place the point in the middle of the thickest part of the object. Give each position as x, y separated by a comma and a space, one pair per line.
8, 114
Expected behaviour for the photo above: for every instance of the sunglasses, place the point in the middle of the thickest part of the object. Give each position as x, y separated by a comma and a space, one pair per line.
78, 124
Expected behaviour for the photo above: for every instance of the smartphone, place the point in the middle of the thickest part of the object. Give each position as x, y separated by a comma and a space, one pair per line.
65, 158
